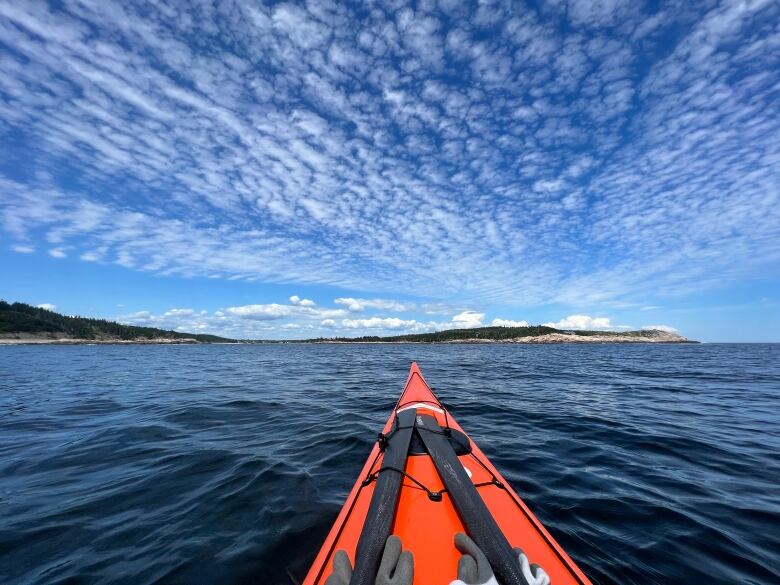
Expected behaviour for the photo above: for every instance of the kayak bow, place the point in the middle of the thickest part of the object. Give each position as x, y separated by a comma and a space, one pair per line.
425, 480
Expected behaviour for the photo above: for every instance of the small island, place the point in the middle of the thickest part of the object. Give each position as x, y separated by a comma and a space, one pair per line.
21, 323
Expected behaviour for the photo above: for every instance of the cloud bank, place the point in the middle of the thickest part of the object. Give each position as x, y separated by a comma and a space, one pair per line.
297, 321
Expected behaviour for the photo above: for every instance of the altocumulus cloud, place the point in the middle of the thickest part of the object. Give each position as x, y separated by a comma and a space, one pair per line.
566, 152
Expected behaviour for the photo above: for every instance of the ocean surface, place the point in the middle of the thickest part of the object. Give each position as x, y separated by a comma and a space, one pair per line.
228, 464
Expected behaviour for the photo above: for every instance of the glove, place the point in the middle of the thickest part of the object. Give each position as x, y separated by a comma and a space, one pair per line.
342, 569
395, 568
533, 573
474, 568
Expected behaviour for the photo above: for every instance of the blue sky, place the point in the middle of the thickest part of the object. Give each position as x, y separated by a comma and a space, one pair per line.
292, 170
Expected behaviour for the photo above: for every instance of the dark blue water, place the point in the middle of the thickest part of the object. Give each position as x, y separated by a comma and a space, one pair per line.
228, 464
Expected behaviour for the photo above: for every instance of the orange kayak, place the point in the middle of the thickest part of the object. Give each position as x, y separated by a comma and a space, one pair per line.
425, 481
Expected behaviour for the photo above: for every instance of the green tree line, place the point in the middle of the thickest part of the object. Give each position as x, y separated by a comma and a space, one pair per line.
24, 318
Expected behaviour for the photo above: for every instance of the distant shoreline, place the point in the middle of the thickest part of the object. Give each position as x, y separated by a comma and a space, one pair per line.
49, 338
23, 324
65, 341
551, 339
499, 342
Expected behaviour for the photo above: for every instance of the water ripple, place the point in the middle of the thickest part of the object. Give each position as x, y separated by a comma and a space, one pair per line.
650, 464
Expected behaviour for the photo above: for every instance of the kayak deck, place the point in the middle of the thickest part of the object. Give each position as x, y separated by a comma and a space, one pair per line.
427, 527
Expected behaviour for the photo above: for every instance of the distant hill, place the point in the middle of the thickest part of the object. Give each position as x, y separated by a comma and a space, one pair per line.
530, 334
26, 321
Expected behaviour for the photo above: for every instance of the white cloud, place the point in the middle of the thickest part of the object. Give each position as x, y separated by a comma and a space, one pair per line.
508, 323
299, 309
183, 320
91, 256
47, 306
378, 323
22, 249
274, 321
57, 253
463, 320
666, 328
302, 29
136, 316
261, 312
296, 300
587, 322
468, 320
182, 313
358, 305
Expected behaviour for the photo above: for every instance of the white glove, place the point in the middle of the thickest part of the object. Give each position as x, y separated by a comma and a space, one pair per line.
491, 581
534, 574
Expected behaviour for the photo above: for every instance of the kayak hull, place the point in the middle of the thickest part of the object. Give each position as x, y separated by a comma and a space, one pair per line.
427, 527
